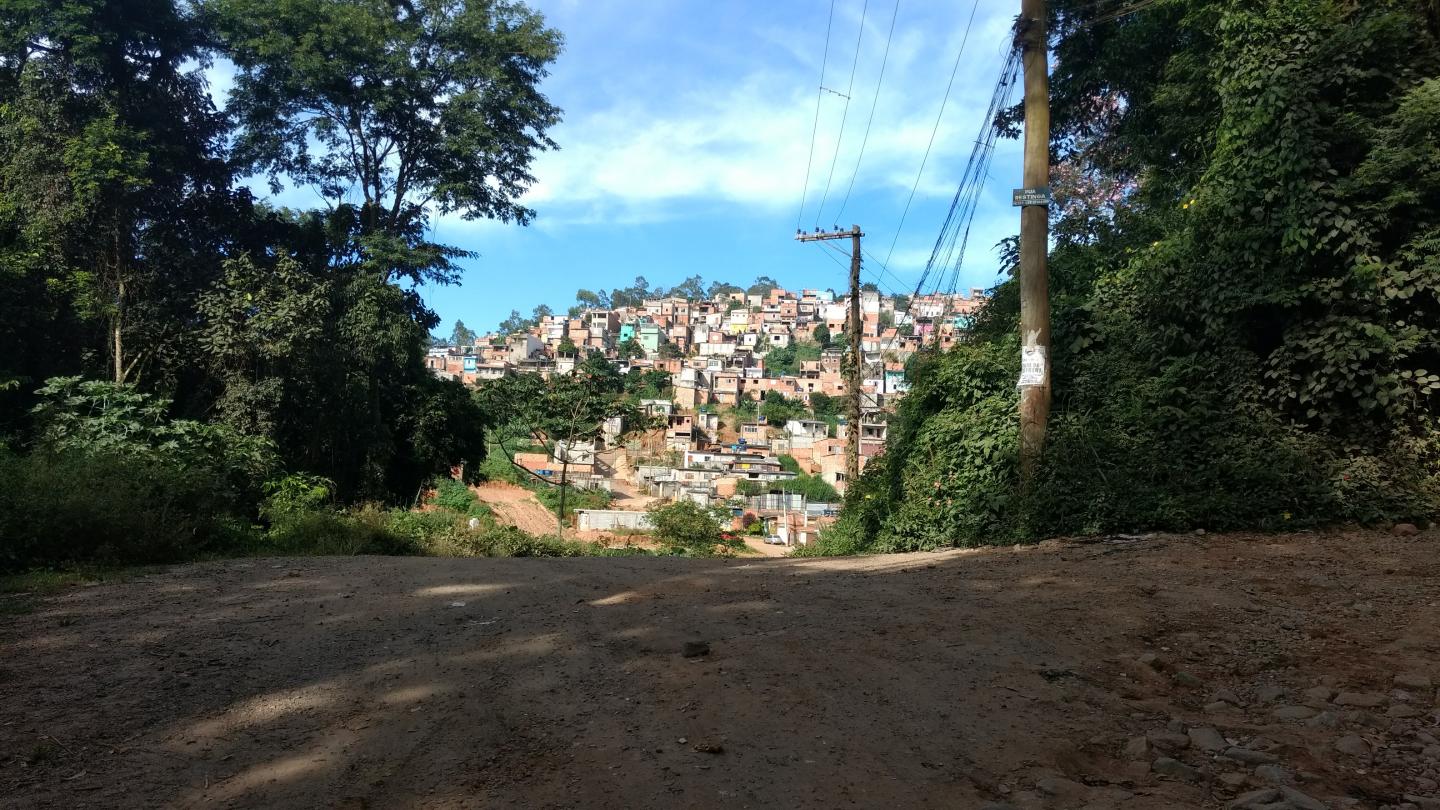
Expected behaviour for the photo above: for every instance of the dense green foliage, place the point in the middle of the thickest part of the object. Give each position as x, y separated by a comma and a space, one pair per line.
685, 527
786, 360
1246, 290
131, 251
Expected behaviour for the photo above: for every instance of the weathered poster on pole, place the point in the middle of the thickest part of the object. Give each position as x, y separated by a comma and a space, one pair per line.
1032, 367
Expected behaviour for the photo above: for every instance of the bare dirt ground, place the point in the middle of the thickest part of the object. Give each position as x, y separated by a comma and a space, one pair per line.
1170, 672
517, 506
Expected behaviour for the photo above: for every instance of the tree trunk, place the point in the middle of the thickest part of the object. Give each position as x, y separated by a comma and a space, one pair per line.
117, 325
564, 477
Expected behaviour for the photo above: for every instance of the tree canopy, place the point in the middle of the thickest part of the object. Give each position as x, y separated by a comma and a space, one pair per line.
1245, 284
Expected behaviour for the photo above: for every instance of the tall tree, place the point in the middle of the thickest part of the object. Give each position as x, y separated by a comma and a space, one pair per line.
414, 108
461, 336
110, 181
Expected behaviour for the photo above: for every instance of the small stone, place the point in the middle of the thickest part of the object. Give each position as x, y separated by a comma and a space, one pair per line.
1168, 741
1324, 720
1249, 757
1137, 748
1319, 695
1188, 681
1293, 713
1403, 712
1422, 802
1226, 696
1405, 530
1208, 739
1152, 660
1273, 774
1175, 769
1262, 796
1060, 787
1302, 801
997, 806
1353, 745
1218, 707
1418, 681
1432, 752
708, 748
1269, 693
1233, 780
1425, 784
1364, 700
695, 649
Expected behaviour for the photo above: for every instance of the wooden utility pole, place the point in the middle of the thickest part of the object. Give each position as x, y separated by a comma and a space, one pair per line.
1034, 239
853, 376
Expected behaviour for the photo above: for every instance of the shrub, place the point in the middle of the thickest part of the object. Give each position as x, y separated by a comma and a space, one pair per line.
684, 527
63, 508
458, 497
574, 498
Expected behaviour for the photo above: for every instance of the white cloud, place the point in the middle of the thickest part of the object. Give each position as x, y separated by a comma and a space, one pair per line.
637, 154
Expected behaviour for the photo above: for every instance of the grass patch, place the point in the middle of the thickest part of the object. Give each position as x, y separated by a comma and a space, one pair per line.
20, 593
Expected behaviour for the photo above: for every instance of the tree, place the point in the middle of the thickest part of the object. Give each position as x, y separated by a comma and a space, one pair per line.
591, 300
632, 296
559, 412
629, 349
823, 405
869, 286
821, 335
460, 336
540, 313
669, 351
113, 185
566, 347
762, 286
692, 288
685, 527
719, 288
418, 107
514, 324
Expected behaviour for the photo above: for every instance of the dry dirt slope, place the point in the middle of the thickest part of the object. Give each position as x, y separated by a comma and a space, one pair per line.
1175, 672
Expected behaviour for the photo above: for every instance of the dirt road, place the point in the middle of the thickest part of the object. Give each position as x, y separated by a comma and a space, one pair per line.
517, 506
1160, 673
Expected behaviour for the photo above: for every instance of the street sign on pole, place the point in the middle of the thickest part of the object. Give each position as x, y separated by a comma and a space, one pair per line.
1021, 197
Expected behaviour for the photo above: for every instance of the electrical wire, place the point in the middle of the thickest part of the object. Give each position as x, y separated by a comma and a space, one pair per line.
815, 127
943, 102
874, 102
844, 113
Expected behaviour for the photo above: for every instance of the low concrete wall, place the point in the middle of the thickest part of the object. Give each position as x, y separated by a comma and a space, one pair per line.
609, 520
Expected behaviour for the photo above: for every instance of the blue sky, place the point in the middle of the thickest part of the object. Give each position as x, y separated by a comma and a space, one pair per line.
685, 140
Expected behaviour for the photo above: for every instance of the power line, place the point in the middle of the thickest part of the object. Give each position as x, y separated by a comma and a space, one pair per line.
875, 101
815, 127
955, 231
845, 112
945, 100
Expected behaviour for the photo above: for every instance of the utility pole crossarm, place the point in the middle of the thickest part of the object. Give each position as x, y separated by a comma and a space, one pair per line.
822, 236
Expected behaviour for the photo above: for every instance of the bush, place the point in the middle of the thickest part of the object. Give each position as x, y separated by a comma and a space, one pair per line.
684, 527
64, 508
496, 467
458, 497
574, 498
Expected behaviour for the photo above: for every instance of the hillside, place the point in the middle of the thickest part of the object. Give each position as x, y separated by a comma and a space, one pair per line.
1110, 674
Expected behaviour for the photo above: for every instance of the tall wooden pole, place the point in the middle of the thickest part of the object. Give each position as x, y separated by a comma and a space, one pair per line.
857, 363
1034, 241
854, 377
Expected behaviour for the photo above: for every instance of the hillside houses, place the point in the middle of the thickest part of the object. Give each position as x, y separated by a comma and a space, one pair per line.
721, 354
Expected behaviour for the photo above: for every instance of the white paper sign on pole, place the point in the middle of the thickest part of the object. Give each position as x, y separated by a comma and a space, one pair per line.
1032, 367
